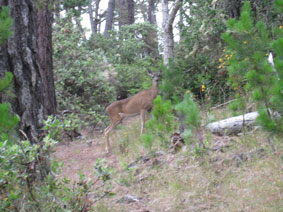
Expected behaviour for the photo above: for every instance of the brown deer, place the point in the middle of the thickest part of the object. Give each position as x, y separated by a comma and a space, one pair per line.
134, 105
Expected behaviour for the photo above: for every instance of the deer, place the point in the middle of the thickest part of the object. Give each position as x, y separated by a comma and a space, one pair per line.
131, 106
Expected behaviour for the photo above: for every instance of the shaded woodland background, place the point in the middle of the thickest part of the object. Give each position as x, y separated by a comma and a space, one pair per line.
56, 81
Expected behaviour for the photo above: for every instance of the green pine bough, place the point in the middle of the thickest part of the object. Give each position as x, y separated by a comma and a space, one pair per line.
250, 72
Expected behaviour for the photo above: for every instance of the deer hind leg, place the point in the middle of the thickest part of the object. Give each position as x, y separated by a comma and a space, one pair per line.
113, 123
106, 129
142, 120
124, 115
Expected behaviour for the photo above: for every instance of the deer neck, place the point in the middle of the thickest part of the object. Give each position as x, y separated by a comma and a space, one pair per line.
154, 88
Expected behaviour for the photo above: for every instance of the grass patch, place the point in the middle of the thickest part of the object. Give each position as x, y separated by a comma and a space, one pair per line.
188, 182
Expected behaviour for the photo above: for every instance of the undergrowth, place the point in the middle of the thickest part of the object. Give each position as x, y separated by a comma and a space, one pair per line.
242, 176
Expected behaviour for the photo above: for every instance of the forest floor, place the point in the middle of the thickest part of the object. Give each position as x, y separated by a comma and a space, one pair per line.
240, 173
79, 156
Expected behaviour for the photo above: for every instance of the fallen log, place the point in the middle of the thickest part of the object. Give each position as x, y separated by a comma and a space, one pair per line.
233, 125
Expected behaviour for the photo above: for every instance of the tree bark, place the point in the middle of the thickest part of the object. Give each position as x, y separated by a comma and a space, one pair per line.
44, 39
131, 11
153, 49
20, 56
181, 24
233, 8
165, 36
94, 20
96, 15
109, 16
123, 13
151, 12
167, 25
233, 125
91, 18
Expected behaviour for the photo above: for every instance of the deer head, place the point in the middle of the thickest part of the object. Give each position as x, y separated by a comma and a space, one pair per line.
154, 76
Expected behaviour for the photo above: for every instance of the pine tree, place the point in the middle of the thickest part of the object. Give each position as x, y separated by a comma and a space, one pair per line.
250, 72
173, 78
161, 124
189, 112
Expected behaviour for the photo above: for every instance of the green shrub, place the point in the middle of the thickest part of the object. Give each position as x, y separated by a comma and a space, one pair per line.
124, 52
251, 73
27, 182
172, 80
189, 109
161, 125
23, 189
80, 81
147, 140
8, 122
196, 56
189, 112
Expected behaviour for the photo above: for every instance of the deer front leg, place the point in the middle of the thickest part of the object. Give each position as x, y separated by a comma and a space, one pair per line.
142, 120
107, 131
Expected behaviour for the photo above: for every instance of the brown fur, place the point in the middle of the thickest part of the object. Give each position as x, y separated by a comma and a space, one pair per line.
137, 104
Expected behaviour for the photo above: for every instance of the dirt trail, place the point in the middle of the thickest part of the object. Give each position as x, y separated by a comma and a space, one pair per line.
79, 156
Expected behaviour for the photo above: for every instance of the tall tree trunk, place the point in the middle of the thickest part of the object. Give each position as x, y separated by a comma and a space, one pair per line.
181, 24
123, 13
99, 26
165, 36
94, 20
233, 8
90, 13
109, 16
131, 11
165, 13
151, 12
44, 39
96, 15
20, 56
153, 49
167, 25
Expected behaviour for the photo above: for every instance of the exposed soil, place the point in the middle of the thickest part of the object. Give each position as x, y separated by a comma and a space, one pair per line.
79, 156
82, 153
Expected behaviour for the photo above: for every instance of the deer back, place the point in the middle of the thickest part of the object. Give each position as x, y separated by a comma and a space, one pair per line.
141, 101
134, 104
